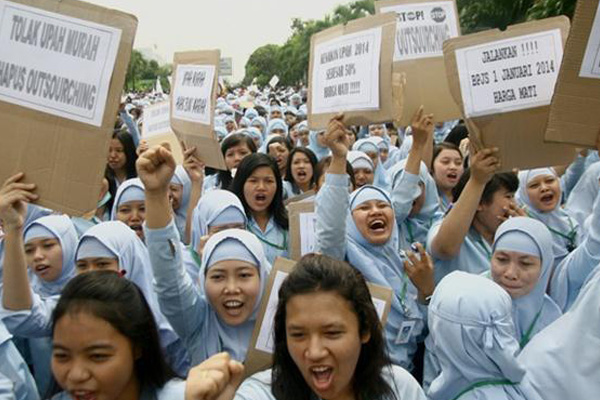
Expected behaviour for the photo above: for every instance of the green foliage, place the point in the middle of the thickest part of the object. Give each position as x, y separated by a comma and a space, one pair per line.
290, 61
142, 73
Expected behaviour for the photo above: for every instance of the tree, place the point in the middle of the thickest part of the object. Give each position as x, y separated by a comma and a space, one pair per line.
142, 73
262, 65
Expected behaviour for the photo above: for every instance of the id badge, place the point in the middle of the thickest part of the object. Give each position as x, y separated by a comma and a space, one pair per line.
405, 332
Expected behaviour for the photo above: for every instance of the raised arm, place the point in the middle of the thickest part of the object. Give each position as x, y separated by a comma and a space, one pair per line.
455, 226
406, 187
195, 170
178, 298
332, 204
14, 196
573, 271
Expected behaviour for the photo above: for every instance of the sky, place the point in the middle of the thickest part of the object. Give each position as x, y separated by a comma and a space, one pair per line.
236, 27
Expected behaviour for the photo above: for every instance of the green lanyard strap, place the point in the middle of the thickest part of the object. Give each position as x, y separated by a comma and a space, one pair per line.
498, 382
526, 337
569, 236
282, 246
484, 247
195, 256
409, 229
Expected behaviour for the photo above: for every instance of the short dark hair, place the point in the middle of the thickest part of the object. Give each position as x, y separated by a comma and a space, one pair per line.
224, 177
502, 180
311, 158
246, 168
320, 273
121, 303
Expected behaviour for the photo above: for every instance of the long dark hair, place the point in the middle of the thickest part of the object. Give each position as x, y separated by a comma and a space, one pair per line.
319, 273
313, 162
121, 303
224, 178
246, 168
131, 156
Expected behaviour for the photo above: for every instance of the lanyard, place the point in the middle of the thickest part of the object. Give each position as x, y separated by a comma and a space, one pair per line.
569, 236
497, 382
526, 337
409, 229
282, 246
484, 247
196, 257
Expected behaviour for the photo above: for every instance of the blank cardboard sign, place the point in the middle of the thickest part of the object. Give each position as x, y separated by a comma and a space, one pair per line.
575, 110
156, 128
422, 27
62, 68
350, 71
193, 100
504, 82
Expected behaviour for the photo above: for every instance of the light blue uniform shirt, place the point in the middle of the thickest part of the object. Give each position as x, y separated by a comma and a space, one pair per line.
474, 255
404, 386
379, 264
16, 381
274, 239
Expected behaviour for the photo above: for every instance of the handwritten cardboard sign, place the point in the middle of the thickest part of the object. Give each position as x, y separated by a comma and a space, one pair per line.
503, 82
575, 110
193, 101
351, 71
260, 351
62, 70
422, 27
156, 128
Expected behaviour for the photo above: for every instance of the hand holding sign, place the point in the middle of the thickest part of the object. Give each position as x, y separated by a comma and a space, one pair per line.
336, 137
484, 164
420, 271
215, 379
421, 127
14, 196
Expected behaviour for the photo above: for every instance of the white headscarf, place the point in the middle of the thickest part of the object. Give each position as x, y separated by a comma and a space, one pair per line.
558, 220
60, 227
473, 338
216, 335
563, 361
536, 310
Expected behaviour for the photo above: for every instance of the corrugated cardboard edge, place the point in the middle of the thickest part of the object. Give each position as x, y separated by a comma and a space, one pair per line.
519, 134
202, 136
387, 112
575, 109
257, 360
294, 211
66, 159
424, 80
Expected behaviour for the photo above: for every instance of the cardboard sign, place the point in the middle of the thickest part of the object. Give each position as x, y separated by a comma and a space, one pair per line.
351, 72
260, 351
193, 103
575, 110
274, 81
501, 79
422, 27
156, 128
302, 228
226, 67
62, 70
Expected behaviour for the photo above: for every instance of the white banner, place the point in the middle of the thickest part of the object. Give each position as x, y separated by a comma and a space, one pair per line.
422, 29
345, 75
274, 81
192, 93
511, 74
156, 120
590, 66
56, 64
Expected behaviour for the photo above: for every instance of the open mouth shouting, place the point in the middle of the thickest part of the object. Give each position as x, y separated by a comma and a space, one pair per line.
41, 269
547, 199
377, 226
233, 307
322, 377
452, 177
83, 395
